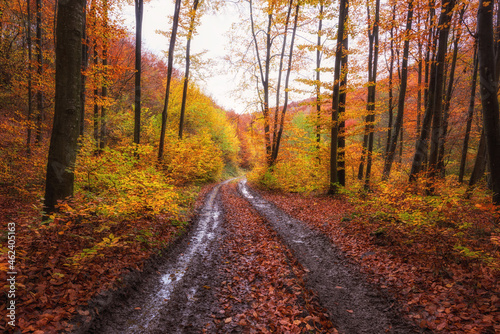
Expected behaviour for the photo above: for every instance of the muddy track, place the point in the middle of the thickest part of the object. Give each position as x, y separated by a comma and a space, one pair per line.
354, 305
184, 296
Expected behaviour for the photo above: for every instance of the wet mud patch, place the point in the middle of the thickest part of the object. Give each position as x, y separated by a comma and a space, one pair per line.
175, 298
354, 305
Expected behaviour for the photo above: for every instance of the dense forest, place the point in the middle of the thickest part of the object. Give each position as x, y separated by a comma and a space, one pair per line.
383, 115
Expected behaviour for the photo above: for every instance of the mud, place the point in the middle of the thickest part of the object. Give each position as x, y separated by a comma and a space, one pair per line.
180, 295
354, 305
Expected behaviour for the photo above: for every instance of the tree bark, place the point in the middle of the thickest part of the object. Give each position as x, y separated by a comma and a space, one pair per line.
65, 131
188, 63
401, 99
489, 88
30, 79
318, 79
287, 79
169, 78
39, 53
104, 88
85, 54
470, 113
391, 73
139, 10
335, 179
372, 78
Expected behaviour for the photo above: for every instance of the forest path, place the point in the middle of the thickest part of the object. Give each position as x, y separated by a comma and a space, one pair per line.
247, 267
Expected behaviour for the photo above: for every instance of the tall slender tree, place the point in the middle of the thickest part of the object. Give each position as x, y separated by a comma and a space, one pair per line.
139, 10
338, 97
188, 63
39, 56
391, 152
489, 89
170, 65
30, 77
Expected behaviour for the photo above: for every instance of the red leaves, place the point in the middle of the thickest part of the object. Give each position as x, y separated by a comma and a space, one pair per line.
263, 289
448, 297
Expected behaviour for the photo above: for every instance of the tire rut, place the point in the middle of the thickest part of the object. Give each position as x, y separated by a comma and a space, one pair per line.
354, 305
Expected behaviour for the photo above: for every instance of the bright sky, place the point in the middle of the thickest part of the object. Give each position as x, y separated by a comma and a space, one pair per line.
211, 36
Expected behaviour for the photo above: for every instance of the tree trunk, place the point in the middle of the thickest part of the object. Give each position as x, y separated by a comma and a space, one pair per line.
65, 131
447, 100
96, 64
479, 165
391, 71
104, 88
401, 99
39, 53
85, 55
489, 88
287, 79
318, 79
188, 62
30, 79
278, 84
372, 78
169, 78
139, 10
470, 113
335, 179
437, 101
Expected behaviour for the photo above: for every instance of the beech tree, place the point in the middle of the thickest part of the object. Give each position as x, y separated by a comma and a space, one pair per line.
402, 93
170, 65
337, 173
489, 88
64, 140
139, 9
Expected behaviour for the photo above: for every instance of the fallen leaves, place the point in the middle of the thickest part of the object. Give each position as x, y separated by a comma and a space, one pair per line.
438, 290
263, 288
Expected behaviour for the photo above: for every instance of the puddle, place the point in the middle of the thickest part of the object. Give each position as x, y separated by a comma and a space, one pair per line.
210, 219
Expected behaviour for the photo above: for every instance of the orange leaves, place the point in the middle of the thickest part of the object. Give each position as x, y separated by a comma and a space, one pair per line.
263, 289
436, 290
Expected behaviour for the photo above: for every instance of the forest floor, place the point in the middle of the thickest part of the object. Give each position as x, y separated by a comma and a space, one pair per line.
248, 267
254, 261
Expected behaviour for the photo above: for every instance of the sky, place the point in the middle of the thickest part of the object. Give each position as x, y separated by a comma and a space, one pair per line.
211, 37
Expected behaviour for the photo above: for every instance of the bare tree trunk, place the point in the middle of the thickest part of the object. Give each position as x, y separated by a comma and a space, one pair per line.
318, 79
139, 10
470, 113
93, 10
402, 93
446, 107
30, 79
479, 165
169, 78
188, 62
39, 53
372, 78
391, 71
85, 59
287, 79
489, 88
278, 84
64, 139
437, 101
104, 94
335, 179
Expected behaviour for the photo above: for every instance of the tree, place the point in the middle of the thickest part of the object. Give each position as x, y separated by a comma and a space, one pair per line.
338, 99
489, 88
65, 131
30, 77
39, 56
372, 82
188, 63
171, 48
401, 99
139, 9
470, 113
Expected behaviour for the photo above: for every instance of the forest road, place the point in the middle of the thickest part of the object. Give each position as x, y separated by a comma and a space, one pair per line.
182, 296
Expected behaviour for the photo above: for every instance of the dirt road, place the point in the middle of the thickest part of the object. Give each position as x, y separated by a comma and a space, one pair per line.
247, 267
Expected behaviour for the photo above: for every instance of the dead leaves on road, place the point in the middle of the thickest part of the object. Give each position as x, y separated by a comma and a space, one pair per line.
263, 288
